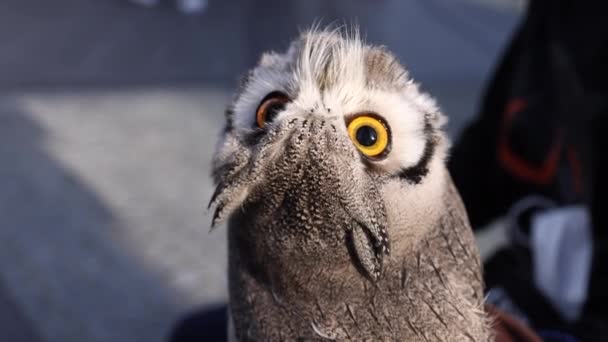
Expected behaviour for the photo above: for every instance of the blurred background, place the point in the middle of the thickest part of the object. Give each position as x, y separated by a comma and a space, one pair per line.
109, 112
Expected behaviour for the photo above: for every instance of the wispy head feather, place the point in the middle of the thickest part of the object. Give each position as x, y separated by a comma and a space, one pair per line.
328, 56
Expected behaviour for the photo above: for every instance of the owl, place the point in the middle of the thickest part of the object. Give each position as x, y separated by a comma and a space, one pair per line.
343, 221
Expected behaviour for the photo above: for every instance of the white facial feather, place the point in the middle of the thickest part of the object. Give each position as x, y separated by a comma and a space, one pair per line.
329, 74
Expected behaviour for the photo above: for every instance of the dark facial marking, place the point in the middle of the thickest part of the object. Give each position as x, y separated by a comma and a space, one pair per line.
416, 173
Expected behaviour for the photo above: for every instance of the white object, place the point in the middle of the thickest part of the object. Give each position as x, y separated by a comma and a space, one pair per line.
192, 6
561, 244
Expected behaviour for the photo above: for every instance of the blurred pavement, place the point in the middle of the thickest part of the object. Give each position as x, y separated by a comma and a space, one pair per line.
108, 118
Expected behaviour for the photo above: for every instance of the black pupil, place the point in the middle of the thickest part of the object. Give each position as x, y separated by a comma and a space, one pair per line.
367, 136
273, 109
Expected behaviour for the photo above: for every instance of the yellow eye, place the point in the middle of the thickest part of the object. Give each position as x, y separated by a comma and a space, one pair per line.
370, 134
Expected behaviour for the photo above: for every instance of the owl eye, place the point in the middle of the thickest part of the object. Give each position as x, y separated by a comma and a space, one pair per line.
270, 106
370, 135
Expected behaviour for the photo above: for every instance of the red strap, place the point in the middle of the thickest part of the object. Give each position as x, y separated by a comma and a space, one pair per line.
543, 174
510, 329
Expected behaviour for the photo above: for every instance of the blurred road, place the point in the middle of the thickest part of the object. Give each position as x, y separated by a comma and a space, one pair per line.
108, 118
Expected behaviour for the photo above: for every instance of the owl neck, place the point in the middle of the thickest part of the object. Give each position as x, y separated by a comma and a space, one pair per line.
433, 290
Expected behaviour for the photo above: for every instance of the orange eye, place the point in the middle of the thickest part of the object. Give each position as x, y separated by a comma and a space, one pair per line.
271, 105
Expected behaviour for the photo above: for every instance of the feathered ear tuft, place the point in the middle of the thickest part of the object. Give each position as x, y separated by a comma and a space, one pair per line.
425, 103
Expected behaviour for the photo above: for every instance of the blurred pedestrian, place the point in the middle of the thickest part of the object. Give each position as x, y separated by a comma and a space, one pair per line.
184, 6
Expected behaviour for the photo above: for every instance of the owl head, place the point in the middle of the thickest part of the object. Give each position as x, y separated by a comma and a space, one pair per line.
330, 153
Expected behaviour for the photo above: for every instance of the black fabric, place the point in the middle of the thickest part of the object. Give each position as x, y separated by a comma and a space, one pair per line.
595, 319
511, 270
541, 131
208, 325
540, 99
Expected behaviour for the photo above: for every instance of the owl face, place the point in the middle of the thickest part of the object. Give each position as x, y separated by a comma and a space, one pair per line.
319, 140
